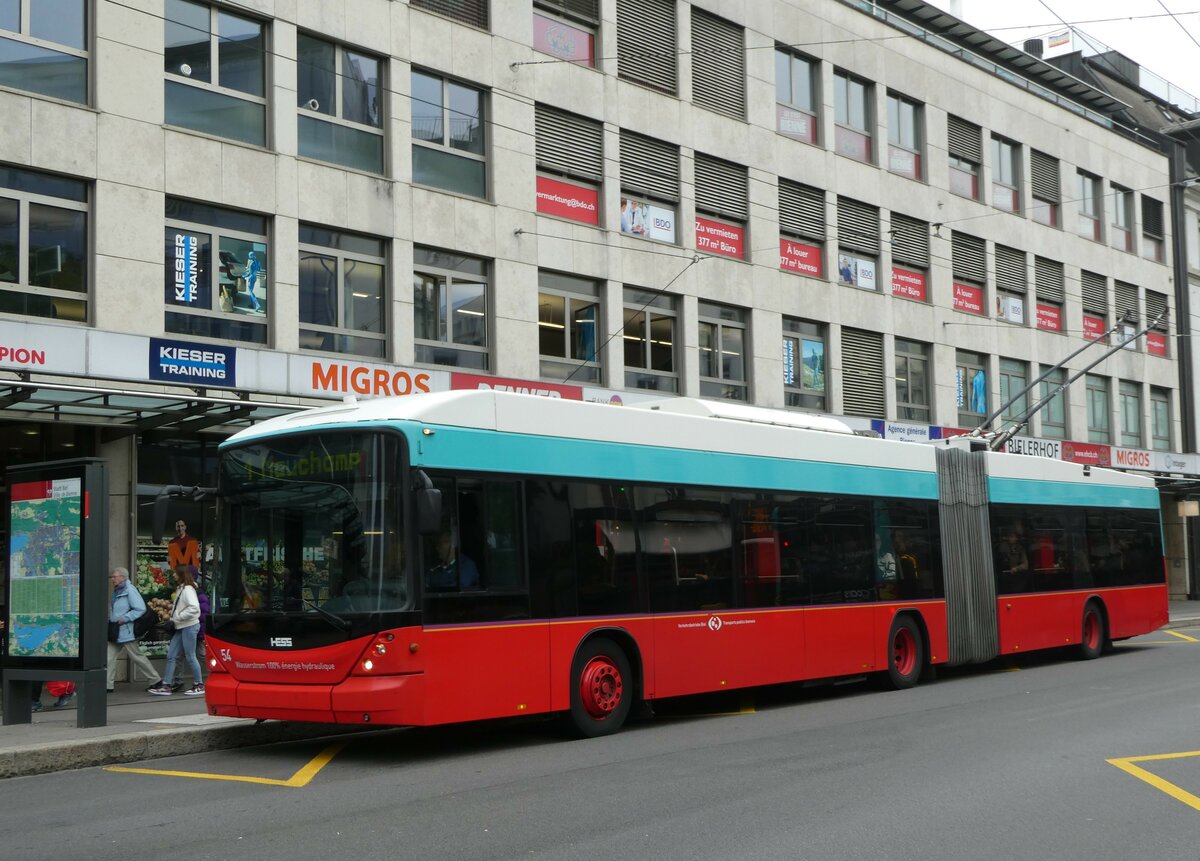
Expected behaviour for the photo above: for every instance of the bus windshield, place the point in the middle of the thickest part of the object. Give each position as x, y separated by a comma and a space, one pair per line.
314, 524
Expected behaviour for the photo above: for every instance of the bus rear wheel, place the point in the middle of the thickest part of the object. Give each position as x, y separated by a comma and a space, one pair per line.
906, 653
1092, 642
601, 691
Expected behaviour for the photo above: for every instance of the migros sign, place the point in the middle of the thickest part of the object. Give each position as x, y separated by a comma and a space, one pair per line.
348, 378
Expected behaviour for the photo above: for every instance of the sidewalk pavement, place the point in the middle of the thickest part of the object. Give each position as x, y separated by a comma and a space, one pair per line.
141, 726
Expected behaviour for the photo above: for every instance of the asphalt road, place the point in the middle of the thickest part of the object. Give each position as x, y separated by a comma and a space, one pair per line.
1010, 761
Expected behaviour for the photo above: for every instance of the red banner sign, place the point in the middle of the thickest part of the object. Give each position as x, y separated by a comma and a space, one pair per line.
525, 387
797, 257
1049, 317
1093, 327
717, 237
1096, 454
968, 297
908, 283
1156, 343
565, 200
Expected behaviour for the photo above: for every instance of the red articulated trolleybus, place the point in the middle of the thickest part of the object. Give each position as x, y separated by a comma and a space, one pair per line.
469, 555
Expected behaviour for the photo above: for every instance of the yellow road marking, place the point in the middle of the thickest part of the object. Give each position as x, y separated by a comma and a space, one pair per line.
1127, 764
1182, 636
300, 778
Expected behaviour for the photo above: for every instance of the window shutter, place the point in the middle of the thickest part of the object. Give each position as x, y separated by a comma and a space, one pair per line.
858, 226
468, 11
584, 10
649, 166
1125, 299
862, 373
1048, 278
1095, 292
568, 143
1156, 303
1044, 178
801, 209
718, 64
721, 188
646, 48
968, 257
1152, 217
910, 241
964, 139
1010, 269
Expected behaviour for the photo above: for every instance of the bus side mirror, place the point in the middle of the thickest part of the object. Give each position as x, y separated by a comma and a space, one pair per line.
429, 510
428, 502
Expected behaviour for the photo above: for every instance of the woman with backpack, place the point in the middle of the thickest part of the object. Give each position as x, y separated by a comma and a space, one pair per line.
124, 607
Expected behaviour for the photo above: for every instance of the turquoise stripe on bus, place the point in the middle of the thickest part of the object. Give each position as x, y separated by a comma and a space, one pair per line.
1031, 492
470, 449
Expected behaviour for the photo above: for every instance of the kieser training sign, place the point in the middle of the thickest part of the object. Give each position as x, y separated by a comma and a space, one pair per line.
184, 362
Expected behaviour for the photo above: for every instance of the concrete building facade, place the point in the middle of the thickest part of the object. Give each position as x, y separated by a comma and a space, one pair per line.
211, 213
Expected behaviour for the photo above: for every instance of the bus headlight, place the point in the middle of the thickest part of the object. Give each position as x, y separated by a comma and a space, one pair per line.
368, 665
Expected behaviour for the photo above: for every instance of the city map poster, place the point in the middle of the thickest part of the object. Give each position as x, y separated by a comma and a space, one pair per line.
46, 522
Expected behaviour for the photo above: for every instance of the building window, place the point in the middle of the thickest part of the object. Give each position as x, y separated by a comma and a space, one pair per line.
910, 258
342, 292
1012, 283
1049, 279
1054, 413
858, 243
965, 148
719, 70
1192, 234
1122, 210
217, 283
1094, 294
473, 12
904, 136
802, 229
650, 337
1125, 304
1130, 395
338, 98
912, 381
722, 347
43, 245
1153, 246
450, 303
1014, 377
215, 72
1097, 408
649, 187
567, 29
448, 148
1006, 175
1158, 338
646, 46
968, 257
971, 386
796, 95
43, 48
570, 161
722, 206
852, 114
803, 364
568, 333
1044, 187
864, 388
1160, 419
1090, 214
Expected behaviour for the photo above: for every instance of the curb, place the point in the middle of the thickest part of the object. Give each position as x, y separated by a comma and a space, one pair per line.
50, 757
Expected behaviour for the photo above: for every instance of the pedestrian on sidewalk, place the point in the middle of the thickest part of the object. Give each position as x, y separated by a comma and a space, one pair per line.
125, 605
185, 617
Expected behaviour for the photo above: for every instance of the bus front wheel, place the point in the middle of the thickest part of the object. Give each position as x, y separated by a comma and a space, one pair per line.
601, 688
906, 653
1094, 635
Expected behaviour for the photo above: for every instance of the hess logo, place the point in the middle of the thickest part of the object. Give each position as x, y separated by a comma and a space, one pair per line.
281, 642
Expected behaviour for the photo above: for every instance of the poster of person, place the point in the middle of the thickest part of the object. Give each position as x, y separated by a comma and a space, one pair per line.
242, 276
858, 271
647, 221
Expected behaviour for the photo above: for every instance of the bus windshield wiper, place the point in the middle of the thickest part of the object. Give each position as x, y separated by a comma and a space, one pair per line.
332, 618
